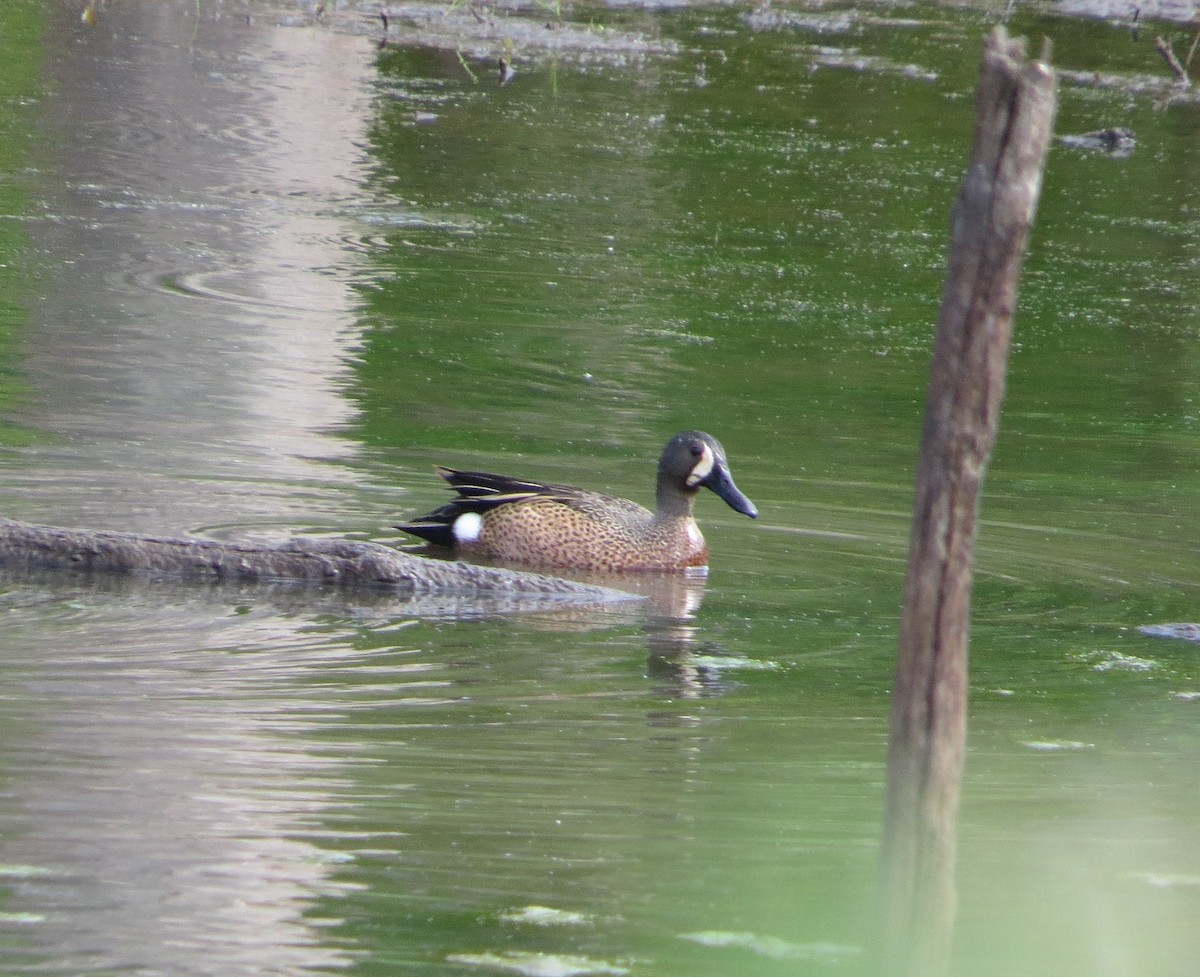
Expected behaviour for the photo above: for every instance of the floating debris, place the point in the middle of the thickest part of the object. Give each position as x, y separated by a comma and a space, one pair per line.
1184, 632
1165, 90
1117, 142
462, 28
1114, 661
731, 662
1054, 746
766, 18
851, 59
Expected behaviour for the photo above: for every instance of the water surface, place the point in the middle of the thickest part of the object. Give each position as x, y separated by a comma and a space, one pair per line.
260, 274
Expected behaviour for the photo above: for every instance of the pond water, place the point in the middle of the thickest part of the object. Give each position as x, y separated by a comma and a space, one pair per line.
258, 274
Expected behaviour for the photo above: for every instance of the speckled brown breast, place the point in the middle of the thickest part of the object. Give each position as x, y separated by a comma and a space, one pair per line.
595, 532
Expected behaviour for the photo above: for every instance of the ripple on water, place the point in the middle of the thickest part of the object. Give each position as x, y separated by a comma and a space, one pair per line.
187, 728
232, 286
413, 220
228, 245
545, 916
770, 946
535, 964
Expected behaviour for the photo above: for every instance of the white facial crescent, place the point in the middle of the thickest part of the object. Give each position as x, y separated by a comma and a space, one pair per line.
703, 467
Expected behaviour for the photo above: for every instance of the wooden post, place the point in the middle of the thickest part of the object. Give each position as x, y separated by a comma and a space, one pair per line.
1015, 103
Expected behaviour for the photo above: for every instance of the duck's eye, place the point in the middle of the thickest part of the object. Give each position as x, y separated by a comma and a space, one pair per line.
697, 449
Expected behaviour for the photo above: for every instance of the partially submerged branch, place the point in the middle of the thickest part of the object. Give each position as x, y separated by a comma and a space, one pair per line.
341, 563
1178, 70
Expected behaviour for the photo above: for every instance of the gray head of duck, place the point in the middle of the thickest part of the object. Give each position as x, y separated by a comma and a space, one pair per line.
694, 460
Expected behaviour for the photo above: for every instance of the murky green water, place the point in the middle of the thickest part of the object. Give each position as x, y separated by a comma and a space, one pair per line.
259, 275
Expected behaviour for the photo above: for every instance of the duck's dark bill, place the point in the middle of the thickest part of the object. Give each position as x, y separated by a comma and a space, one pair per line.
721, 482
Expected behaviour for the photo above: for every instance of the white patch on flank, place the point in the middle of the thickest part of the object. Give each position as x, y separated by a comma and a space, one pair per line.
468, 527
702, 469
695, 537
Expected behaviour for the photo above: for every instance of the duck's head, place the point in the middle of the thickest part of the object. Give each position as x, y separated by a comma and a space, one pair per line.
694, 460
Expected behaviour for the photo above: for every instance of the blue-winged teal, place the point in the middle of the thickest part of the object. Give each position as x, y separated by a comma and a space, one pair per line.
516, 521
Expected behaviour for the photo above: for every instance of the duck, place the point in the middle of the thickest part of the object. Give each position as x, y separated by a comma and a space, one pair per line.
540, 524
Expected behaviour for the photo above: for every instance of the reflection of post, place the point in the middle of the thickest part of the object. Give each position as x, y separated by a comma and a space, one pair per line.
1015, 104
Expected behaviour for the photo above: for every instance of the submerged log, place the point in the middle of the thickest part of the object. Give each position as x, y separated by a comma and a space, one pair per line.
1015, 103
341, 563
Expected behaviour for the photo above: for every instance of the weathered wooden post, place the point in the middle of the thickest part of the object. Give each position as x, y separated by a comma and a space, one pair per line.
1015, 103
